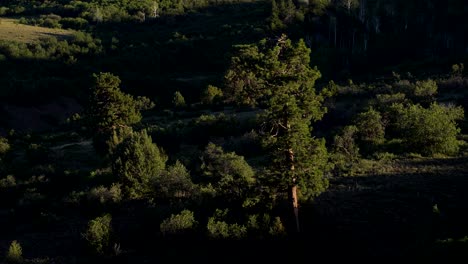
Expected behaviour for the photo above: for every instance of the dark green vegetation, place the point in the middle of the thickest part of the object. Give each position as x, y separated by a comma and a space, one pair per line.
170, 130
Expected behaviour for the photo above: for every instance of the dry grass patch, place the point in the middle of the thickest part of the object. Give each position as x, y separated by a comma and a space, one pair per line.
11, 30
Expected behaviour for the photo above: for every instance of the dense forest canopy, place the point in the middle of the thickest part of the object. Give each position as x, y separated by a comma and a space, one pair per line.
166, 130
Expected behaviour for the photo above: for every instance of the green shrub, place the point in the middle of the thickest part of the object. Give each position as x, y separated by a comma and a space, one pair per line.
427, 88
430, 130
18, 9
229, 173
106, 195
74, 197
51, 23
277, 228
221, 229
23, 21
178, 224
4, 146
371, 130
211, 95
175, 184
384, 101
384, 156
14, 253
3, 10
8, 181
218, 229
74, 22
98, 234
178, 100
264, 225
457, 69
345, 154
137, 162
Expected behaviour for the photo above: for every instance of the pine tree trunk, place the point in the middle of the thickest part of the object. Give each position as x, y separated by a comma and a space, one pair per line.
295, 206
290, 160
293, 190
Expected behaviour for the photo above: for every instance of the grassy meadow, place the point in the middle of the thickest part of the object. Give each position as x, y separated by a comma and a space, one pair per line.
11, 30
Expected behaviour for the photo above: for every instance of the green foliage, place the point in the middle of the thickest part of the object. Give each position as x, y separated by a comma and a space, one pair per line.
178, 100
7, 182
175, 184
277, 228
14, 254
419, 92
105, 142
144, 103
109, 140
211, 95
79, 44
3, 11
203, 128
230, 175
425, 89
50, 21
4, 148
275, 21
74, 23
104, 195
111, 112
457, 69
345, 153
371, 129
312, 164
259, 71
181, 223
277, 74
319, 6
385, 101
430, 130
109, 107
218, 229
264, 226
137, 162
98, 234
284, 13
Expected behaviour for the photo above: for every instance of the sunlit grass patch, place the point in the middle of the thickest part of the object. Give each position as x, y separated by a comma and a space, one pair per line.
11, 30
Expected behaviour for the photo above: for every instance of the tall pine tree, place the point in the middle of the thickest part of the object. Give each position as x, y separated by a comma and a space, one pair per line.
277, 76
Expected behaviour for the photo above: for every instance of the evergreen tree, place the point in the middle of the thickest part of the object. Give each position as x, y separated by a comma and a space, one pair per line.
275, 21
371, 129
277, 75
14, 254
178, 100
230, 175
211, 95
138, 162
112, 112
109, 107
175, 184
